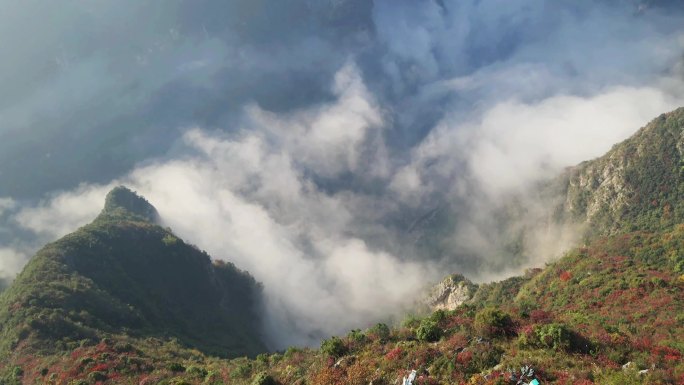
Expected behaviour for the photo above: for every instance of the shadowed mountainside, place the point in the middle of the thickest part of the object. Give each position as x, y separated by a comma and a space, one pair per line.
124, 275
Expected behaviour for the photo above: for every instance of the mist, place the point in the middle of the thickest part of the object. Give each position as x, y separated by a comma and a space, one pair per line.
346, 154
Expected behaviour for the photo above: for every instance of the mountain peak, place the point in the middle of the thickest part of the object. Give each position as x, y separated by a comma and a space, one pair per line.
121, 202
125, 278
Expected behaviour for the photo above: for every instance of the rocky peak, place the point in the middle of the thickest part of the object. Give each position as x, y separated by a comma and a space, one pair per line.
452, 292
121, 202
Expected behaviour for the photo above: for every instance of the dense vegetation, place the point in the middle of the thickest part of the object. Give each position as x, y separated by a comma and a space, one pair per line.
616, 302
123, 275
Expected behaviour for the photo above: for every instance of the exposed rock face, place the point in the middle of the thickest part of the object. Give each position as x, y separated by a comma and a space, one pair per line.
452, 292
638, 184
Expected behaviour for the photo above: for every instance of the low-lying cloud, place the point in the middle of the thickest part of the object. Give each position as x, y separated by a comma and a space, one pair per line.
345, 165
252, 197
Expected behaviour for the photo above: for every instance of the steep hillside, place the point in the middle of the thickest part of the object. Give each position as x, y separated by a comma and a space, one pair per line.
638, 185
609, 312
124, 275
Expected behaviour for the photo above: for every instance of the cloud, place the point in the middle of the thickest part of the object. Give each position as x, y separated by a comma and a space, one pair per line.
250, 198
460, 58
490, 168
64, 212
329, 140
343, 152
6, 204
11, 262
515, 144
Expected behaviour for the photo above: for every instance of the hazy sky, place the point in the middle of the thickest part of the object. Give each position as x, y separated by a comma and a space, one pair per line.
320, 144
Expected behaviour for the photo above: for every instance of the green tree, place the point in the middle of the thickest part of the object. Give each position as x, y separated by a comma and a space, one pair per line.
493, 322
428, 331
334, 347
263, 378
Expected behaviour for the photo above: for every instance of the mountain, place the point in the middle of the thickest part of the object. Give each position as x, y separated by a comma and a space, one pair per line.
610, 311
125, 277
638, 185
101, 304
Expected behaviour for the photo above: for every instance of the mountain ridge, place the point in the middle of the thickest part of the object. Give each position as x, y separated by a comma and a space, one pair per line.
639, 181
124, 275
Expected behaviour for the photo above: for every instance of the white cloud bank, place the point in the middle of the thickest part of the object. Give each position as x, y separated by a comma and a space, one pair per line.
251, 197
515, 144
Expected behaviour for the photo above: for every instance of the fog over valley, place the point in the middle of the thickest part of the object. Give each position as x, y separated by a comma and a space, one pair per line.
346, 153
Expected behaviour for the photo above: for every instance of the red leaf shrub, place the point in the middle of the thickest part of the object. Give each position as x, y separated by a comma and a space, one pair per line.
394, 354
565, 276
464, 357
541, 316
100, 368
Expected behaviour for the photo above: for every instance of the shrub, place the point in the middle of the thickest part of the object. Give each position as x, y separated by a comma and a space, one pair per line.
86, 360
553, 336
333, 347
176, 367
97, 376
428, 331
478, 358
291, 351
381, 331
263, 378
356, 335
241, 371
411, 321
439, 315
540, 316
359, 373
565, 276
394, 354
213, 378
262, 359
493, 322
17, 372
169, 240
196, 371
179, 381
124, 348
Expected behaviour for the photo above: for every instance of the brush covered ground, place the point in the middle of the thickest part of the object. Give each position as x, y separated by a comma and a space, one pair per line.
608, 312
617, 302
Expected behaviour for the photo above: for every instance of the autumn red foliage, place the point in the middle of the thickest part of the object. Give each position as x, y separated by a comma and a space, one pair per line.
565, 276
